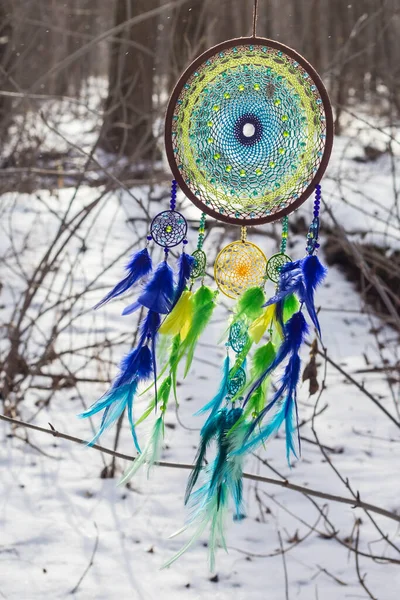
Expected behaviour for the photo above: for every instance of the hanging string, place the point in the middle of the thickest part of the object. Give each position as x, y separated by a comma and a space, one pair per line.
255, 16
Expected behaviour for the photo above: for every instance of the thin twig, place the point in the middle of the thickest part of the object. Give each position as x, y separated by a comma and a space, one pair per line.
353, 502
82, 577
284, 566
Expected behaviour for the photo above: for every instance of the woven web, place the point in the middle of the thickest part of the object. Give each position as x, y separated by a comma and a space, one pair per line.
238, 267
168, 228
248, 131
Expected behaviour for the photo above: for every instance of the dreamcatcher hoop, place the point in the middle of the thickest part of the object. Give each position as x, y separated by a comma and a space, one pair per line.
191, 188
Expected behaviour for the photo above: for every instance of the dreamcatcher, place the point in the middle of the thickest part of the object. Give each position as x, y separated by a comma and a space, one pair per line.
248, 135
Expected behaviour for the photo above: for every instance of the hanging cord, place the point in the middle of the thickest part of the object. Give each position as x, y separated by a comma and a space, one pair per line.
255, 16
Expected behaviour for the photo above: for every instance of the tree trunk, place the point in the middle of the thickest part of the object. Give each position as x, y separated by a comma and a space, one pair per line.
128, 120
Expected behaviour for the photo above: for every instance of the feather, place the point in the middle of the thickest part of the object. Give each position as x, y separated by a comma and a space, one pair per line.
301, 278
250, 304
151, 453
294, 333
138, 267
186, 264
203, 307
174, 362
158, 293
208, 432
113, 403
262, 359
284, 401
313, 275
136, 366
261, 324
290, 306
180, 318
223, 477
216, 402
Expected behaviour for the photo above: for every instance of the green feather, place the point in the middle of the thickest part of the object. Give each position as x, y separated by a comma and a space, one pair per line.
146, 413
250, 304
262, 359
151, 453
174, 362
204, 305
290, 306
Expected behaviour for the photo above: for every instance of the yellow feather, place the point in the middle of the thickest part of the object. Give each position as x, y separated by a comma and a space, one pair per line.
260, 325
180, 319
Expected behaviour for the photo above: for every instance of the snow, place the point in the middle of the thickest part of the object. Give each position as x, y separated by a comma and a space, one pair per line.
55, 508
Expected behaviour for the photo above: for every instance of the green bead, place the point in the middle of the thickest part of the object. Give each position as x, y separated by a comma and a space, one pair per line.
284, 118
241, 87
228, 168
227, 95
256, 86
217, 156
258, 171
242, 173
216, 107
272, 164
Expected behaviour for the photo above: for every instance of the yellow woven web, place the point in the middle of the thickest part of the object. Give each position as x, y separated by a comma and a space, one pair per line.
238, 267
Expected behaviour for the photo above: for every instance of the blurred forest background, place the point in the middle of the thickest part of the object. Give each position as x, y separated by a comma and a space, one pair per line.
51, 49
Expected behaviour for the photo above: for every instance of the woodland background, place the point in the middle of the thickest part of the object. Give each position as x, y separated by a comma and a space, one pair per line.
83, 89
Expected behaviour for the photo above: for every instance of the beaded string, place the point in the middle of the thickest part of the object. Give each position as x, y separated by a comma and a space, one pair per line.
201, 230
313, 232
243, 234
285, 230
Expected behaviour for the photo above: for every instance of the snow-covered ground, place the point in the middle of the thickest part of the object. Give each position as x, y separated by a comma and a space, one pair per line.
56, 511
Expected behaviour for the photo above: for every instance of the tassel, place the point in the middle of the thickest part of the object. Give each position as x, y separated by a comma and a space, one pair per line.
158, 293
301, 277
180, 318
135, 367
295, 332
138, 267
186, 264
223, 477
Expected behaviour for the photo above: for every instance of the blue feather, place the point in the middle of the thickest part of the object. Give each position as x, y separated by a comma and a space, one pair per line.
113, 403
313, 273
158, 293
208, 432
294, 331
138, 267
136, 366
285, 396
216, 402
186, 264
300, 277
